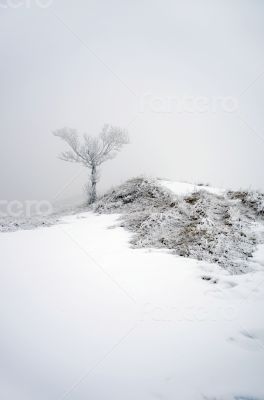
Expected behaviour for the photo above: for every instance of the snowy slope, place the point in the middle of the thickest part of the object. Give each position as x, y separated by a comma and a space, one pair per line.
182, 188
84, 316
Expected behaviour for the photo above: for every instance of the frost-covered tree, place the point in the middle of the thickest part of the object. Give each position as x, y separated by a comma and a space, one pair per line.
92, 151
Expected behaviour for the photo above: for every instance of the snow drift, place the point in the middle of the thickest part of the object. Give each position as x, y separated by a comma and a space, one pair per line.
194, 221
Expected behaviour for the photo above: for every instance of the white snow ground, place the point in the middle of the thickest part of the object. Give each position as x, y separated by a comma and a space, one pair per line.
84, 316
183, 188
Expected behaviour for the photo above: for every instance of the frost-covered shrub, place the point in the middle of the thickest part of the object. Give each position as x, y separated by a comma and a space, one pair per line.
251, 199
201, 225
10, 224
137, 193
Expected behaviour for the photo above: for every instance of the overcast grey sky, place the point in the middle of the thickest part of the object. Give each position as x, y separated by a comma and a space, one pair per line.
185, 78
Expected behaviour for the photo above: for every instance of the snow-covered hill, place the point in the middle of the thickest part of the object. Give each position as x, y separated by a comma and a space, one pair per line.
199, 222
86, 316
183, 188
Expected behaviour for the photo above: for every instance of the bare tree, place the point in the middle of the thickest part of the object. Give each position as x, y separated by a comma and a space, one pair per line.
92, 151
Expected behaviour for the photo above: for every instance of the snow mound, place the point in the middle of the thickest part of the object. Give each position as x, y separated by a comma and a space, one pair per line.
204, 224
182, 188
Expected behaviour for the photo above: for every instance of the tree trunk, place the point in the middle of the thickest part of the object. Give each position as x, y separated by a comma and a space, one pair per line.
93, 195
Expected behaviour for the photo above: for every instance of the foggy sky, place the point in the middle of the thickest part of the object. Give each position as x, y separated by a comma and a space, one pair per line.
133, 64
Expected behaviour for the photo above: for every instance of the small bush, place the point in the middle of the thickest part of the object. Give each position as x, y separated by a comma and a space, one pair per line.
253, 200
